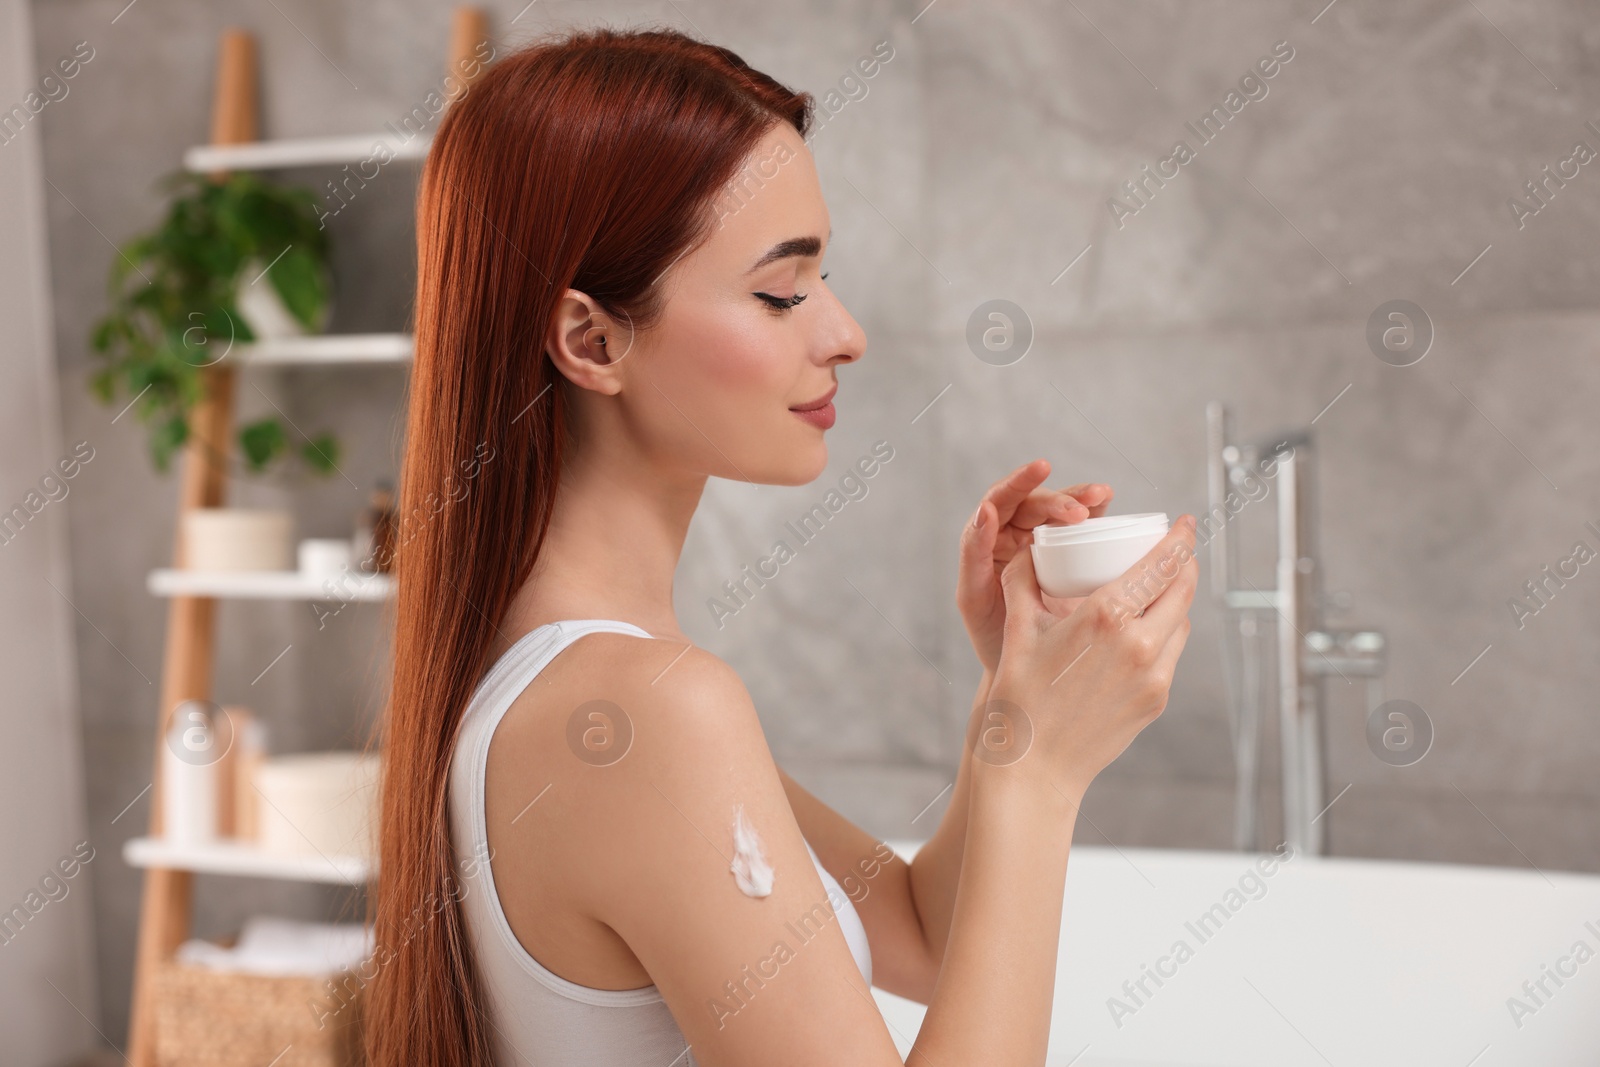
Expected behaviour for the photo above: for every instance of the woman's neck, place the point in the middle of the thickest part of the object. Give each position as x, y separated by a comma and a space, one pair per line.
615, 536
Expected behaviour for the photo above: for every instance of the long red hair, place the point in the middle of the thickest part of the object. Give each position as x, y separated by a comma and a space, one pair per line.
593, 161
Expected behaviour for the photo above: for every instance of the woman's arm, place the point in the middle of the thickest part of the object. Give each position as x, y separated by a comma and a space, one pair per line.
643, 846
936, 868
905, 908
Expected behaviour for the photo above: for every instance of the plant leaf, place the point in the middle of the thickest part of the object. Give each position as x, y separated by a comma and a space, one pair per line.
321, 453
104, 385
261, 441
298, 276
167, 437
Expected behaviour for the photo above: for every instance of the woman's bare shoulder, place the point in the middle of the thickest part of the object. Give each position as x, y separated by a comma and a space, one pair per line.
611, 719
649, 682
618, 748
591, 770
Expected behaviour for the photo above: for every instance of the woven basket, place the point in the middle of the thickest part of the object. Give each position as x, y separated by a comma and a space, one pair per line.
208, 1018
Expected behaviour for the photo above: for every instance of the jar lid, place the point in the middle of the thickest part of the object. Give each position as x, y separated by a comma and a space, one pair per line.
1104, 528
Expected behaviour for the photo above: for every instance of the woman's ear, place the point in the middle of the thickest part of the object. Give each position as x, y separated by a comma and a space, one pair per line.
587, 345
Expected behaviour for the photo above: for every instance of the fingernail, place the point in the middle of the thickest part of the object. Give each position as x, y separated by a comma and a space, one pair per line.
978, 519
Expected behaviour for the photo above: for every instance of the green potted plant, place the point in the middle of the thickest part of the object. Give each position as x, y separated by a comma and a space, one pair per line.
183, 294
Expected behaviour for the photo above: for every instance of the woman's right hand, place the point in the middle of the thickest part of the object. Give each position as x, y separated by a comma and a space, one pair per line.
1072, 691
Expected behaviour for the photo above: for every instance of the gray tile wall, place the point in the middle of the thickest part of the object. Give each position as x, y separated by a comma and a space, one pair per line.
979, 165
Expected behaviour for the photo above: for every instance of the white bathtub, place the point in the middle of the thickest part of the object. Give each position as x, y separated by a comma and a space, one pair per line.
1342, 962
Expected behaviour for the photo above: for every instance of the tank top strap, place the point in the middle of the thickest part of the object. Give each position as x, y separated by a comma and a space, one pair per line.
534, 650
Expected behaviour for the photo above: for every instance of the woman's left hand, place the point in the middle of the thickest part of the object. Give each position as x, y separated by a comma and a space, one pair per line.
1002, 527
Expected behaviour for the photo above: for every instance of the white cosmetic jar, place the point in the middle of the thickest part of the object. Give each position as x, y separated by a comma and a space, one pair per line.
325, 557
1076, 560
237, 539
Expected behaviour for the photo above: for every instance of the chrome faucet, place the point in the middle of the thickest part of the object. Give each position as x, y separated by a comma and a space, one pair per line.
1306, 652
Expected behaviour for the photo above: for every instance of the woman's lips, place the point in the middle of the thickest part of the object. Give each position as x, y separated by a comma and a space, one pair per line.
822, 417
819, 412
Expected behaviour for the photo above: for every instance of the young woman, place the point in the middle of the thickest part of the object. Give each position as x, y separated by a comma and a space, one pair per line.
588, 855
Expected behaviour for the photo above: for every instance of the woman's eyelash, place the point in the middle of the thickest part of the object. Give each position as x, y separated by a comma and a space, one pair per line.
784, 303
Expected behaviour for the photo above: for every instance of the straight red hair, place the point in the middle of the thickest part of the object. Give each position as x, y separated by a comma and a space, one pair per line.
589, 161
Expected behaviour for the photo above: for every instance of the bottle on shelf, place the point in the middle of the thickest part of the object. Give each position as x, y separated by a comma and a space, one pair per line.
236, 797
189, 776
375, 530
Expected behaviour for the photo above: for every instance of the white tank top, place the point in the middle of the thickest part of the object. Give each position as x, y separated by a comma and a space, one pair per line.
537, 1017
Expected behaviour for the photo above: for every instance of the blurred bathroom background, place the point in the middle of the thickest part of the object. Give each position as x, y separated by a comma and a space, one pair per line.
979, 162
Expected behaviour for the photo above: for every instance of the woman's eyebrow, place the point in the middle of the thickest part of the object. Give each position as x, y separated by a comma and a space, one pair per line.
794, 246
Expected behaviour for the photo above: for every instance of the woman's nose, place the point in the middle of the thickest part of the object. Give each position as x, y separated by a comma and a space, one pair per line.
850, 342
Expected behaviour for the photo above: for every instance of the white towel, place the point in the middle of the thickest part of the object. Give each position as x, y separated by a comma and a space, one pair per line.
270, 945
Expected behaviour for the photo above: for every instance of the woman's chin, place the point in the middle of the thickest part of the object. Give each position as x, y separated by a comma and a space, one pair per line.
803, 466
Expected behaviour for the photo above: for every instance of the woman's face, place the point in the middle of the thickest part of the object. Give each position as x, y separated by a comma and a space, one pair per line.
714, 387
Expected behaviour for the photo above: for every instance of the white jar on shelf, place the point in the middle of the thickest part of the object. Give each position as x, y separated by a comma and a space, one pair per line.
237, 539
319, 802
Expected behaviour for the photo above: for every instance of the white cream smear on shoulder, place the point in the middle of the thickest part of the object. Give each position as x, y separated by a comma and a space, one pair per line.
751, 870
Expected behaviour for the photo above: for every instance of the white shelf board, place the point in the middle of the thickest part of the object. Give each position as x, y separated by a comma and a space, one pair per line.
247, 860
328, 348
270, 585
305, 151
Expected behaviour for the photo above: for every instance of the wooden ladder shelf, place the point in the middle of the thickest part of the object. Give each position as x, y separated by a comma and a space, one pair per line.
187, 669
